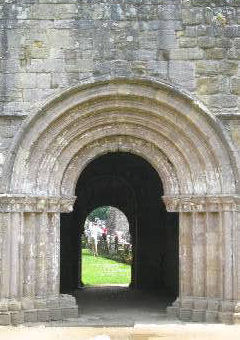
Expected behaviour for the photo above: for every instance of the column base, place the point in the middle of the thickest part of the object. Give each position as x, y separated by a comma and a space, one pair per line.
195, 309
59, 308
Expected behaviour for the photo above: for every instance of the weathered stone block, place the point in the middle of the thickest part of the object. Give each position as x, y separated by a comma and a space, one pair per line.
236, 43
206, 42
53, 303
223, 43
43, 315
216, 53
192, 16
209, 85
193, 53
201, 30
82, 66
187, 42
187, 303
5, 318
226, 317
221, 100
69, 312
14, 305
17, 318
202, 2
236, 318
190, 31
173, 312
232, 31
43, 80
34, 50
54, 11
228, 67
213, 305
183, 73
167, 41
198, 315
185, 314
211, 316
55, 314
30, 316
235, 86
200, 304
40, 303
67, 300
169, 11
4, 306
27, 304
26, 80
234, 53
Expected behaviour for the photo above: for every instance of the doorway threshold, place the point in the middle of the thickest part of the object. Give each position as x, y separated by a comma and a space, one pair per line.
106, 285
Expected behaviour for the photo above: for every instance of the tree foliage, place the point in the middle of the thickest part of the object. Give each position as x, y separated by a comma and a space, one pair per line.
102, 213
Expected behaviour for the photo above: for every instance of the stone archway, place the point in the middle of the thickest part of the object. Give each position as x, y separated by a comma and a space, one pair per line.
128, 182
183, 143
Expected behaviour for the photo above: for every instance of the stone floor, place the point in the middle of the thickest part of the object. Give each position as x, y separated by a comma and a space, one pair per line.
117, 313
120, 306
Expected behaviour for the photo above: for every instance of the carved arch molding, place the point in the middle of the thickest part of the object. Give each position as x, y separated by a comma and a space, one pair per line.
184, 143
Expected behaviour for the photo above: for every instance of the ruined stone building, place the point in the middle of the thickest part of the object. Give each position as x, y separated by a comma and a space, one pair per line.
128, 103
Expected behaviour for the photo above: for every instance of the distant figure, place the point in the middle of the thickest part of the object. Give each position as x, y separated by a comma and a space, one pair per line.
104, 240
116, 239
95, 232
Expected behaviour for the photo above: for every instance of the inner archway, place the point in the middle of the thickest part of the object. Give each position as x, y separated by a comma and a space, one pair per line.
106, 249
130, 183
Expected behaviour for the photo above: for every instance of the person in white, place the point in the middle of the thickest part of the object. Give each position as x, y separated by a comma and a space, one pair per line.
95, 232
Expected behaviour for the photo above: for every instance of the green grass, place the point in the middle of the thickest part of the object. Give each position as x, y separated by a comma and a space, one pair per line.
99, 270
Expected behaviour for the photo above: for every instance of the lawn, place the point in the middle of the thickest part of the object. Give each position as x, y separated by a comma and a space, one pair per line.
99, 270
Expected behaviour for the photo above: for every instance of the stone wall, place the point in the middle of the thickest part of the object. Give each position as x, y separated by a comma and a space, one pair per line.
50, 45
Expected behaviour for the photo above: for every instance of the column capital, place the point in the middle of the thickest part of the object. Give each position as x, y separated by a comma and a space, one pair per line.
197, 203
28, 203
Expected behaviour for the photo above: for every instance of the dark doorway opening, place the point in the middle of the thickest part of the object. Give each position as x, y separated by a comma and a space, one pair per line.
131, 184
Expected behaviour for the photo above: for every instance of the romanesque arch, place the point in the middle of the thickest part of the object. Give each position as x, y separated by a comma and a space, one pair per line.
177, 136
131, 184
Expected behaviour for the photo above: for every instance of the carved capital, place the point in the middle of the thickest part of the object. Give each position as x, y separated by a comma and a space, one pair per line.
194, 203
24, 203
67, 204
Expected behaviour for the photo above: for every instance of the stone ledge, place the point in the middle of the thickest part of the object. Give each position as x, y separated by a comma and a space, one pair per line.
192, 203
28, 203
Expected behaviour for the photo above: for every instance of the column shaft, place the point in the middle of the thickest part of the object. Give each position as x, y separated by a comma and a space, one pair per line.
29, 256
185, 252
5, 249
199, 257
15, 269
213, 250
53, 253
41, 258
236, 257
228, 254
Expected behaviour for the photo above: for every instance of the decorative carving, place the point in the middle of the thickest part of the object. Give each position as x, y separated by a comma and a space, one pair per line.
54, 204
41, 204
67, 204
21, 203
202, 203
